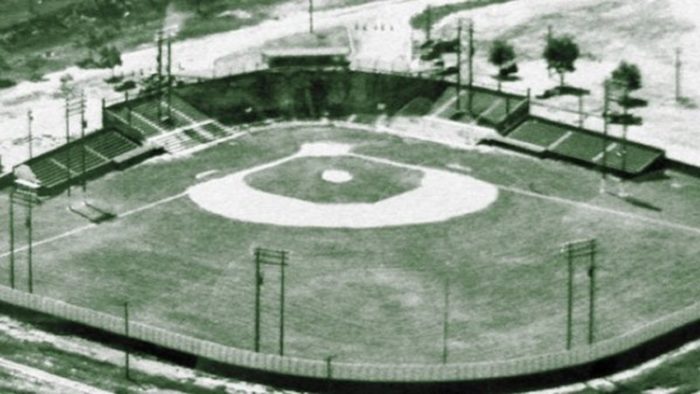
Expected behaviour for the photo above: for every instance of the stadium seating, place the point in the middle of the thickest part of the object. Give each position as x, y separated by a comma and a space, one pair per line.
99, 149
585, 146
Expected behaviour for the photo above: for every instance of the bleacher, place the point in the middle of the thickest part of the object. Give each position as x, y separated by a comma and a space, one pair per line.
53, 169
585, 146
487, 108
185, 128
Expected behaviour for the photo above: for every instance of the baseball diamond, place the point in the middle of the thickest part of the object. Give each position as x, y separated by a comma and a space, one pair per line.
335, 218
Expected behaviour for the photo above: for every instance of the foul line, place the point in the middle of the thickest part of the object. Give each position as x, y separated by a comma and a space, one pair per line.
560, 200
592, 207
93, 225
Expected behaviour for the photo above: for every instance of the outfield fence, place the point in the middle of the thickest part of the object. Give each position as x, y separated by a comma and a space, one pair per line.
364, 372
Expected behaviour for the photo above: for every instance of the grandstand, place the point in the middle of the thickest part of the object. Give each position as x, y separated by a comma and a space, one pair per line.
586, 147
101, 151
176, 127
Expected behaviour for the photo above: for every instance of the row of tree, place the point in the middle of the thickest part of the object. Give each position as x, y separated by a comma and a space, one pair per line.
561, 54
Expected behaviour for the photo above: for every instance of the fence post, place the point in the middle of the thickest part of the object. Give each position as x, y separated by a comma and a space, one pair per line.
126, 347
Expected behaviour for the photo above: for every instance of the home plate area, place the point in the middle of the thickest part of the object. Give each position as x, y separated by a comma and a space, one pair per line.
326, 185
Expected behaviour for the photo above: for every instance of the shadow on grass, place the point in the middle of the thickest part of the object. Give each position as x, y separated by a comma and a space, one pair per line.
637, 202
565, 90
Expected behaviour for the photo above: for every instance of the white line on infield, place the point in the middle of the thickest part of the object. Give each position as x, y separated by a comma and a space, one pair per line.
92, 225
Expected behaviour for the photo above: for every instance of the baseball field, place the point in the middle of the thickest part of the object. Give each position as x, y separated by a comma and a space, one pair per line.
377, 293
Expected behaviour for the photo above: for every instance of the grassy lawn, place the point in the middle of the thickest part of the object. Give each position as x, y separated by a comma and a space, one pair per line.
302, 179
47, 357
376, 294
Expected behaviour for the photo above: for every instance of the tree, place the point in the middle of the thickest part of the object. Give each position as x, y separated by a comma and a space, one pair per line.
502, 55
629, 77
110, 57
561, 54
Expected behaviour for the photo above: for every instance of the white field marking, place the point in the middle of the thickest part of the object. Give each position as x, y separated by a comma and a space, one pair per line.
493, 106
205, 174
43, 376
442, 195
443, 107
579, 204
642, 218
609, 148
560, 140
336, 176
92, 225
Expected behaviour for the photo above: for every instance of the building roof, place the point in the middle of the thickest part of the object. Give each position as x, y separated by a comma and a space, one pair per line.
305, 52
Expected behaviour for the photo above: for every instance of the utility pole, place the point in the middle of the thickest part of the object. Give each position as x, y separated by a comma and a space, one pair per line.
170, 76
591, 293
74, 106
275, 258
30, 139
458, 103
471, 54
258, 283
311, 16
549, 39
30, 276
12, 237
329, 373
471, 63
581, 249
68, 113
580, 111
679, 66
570, 296
127, 374
159, 74
82, 139
445, 319
606, 104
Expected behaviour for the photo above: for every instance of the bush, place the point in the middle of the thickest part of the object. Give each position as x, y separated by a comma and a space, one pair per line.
126, 85
7, 83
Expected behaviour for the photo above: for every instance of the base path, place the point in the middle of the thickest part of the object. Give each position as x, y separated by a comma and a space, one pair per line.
441, 196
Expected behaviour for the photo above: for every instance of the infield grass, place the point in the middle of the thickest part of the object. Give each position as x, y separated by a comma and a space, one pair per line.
376, 294
302, 179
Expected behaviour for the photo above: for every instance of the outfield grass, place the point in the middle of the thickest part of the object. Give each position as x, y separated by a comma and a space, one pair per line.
376, 294
301, 179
